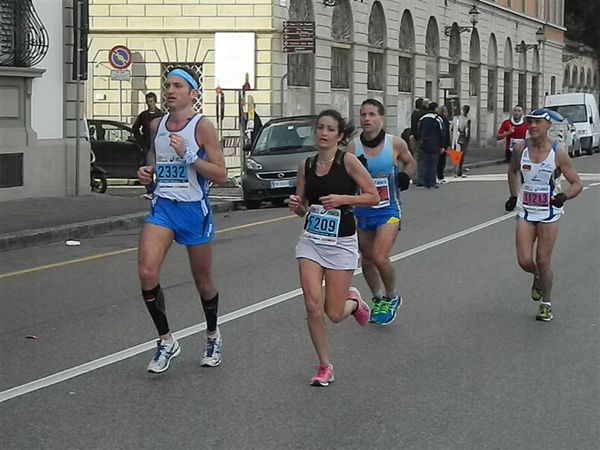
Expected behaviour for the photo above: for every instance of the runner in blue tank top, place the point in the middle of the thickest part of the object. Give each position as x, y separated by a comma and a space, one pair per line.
184, 154
391, 166
534, 175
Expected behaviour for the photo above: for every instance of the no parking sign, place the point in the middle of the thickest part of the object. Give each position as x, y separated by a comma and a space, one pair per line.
119, 57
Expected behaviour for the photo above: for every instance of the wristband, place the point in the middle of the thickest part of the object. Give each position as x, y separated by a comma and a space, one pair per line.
190, 157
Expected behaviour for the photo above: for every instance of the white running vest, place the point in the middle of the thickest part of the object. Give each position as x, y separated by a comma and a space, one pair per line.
175, 179
539, 182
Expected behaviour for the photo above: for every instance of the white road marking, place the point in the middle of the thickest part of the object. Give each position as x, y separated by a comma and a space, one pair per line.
141, 348
503, 177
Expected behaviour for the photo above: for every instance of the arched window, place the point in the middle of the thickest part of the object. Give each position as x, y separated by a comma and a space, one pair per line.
377, 41
588, 83
574, 77
535, 79
475, 61
522, 82
407, 47
300, 65
341, 49
492, 92
567, 77
508, 79
432, 38
582, 78
432, 66
455, 53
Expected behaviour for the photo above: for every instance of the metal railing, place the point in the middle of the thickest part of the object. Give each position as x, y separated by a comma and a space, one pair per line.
23, 38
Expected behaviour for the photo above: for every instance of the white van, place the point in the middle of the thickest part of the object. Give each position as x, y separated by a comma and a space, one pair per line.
581, 109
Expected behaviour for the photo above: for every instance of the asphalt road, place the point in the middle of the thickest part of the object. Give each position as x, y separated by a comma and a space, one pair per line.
465, 366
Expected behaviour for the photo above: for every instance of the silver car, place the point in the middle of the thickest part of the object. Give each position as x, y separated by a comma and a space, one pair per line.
272, 161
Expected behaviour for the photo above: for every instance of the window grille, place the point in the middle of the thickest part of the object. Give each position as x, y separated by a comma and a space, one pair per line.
375, 71
340, 67
405, 74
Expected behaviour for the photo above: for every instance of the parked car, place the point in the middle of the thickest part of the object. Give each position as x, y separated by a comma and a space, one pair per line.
272, 161
116, 149
565, 131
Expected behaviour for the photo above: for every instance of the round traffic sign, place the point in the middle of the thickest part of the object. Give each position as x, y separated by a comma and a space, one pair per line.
119, 57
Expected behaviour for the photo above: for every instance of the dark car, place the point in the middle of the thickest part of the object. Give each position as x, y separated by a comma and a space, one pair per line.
116, 149
272, 161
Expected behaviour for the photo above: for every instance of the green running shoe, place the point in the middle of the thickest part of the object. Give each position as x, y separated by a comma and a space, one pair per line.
375, 305
384, 311
544, 313
536, 290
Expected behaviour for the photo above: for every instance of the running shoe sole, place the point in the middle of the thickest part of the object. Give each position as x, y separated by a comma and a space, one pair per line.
174, 355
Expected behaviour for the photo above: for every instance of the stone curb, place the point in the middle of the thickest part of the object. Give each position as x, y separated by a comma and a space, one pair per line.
88, 228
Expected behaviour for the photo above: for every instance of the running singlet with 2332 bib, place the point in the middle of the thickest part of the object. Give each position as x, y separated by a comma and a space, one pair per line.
322, 226
172, 174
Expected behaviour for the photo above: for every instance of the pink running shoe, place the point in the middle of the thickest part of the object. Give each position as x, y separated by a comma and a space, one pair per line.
324, 376
362, 312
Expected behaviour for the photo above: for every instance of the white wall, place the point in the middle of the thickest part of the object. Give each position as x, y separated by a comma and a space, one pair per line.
47, 105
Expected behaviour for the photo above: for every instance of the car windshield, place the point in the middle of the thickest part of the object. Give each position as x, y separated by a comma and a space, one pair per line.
575, 113
286, 137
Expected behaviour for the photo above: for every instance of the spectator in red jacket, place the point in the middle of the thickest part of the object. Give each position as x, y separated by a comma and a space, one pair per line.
514, 130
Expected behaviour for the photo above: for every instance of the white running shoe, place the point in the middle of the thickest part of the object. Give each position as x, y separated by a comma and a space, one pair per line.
165, 351
212, 352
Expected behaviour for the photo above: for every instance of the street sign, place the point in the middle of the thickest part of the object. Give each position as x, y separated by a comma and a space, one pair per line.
120, 75
119, 57
298, 37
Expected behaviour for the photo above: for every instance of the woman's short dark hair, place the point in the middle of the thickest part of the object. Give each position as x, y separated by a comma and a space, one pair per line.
376, 103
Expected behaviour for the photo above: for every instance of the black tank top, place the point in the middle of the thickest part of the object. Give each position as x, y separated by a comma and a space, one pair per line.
336, 181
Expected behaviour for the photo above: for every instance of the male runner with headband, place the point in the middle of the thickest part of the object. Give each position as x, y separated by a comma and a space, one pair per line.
378, 226
185, 154
534, 180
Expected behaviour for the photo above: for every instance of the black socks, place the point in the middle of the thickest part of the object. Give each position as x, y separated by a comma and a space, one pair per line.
211, 308
155, 303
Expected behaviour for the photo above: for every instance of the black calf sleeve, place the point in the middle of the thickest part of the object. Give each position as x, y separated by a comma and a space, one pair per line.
211, 308
155, 303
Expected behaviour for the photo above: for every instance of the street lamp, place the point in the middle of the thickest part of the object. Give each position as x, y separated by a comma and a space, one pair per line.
473, 18
539, 37
566, 57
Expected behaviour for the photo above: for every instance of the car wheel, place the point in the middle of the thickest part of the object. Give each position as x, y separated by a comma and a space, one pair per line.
252, 204
279, 201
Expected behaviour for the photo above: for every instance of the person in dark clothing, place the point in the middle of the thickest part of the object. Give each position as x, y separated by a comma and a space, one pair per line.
141, 129
420, 111
430, 134
141, 126
441, 166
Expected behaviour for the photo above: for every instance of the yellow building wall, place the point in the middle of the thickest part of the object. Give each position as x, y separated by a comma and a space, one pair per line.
172, 31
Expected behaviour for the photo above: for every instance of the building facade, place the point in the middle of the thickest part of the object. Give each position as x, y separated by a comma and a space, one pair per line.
37, 102
393, 50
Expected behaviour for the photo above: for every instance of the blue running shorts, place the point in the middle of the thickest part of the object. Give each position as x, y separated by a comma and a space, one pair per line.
371, 223
191, 222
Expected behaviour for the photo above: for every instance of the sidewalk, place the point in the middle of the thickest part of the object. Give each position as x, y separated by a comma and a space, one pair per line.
37, 221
